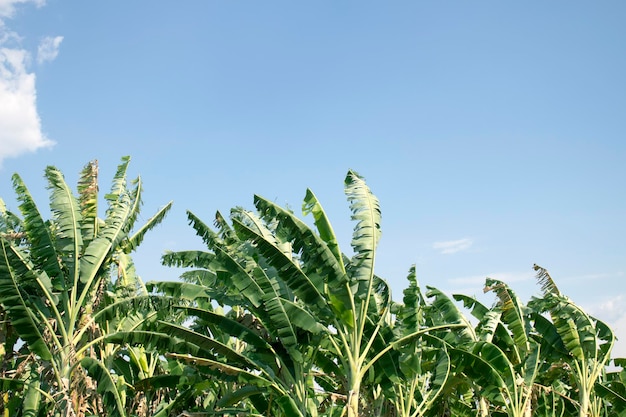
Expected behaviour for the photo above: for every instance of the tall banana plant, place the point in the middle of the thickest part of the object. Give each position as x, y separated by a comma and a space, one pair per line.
581, 342
424, 364
322, 312
11, 382
499, 357
505, 361
55, 275
461, 395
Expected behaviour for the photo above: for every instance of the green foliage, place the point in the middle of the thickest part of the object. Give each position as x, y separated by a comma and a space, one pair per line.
273, 318
57, 276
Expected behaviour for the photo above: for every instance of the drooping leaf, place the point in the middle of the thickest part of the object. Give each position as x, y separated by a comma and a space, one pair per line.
443, 311
32, 395
513, 315
12, 272
614, 393
165, 409
198, 343
106, 386
548, 337
188, 259
477, 309
548, 286
228, 325
11, 226
317, 260
235, 396
41, 241
302, 285
485, 370
311, 205
202, 229
490, 325
227, 369
158, 382
159, 341
433, 387
606, 339
139, 305
201, 292
135, 240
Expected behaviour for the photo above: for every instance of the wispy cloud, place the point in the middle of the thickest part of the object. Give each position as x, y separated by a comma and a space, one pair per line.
20, 125
596, 277
507, 277
48, 49
474, 284
612, 311
610, 308
453, 246
7, 7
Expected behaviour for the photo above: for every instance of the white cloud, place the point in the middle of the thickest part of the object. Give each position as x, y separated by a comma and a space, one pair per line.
453, 246
20, 125
507, 277
48, 49
595, 277
608, 309
7, 7
612, 311
474, 285
619, 327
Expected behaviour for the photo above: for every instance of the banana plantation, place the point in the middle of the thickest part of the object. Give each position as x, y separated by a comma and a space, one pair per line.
272, 318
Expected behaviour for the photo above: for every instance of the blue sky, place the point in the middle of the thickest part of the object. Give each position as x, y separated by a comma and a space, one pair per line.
492, 132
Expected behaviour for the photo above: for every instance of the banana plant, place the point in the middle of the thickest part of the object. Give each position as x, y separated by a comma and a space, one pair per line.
238, 274
260, 303
424, 364
11, 383
504, 385
55, 275
498, 356
583, 343
315, 317
613, 390
461, 395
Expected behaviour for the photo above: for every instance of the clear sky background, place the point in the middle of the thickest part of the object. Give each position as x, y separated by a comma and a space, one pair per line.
493, 133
